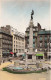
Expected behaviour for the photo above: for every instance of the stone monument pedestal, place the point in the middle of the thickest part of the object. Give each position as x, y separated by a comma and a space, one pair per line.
30, 58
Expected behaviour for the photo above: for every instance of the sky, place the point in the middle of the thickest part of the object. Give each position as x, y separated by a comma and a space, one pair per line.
17, 13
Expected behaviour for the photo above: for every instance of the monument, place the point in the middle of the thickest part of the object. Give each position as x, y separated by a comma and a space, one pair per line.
30, 53
31, 33
29, 65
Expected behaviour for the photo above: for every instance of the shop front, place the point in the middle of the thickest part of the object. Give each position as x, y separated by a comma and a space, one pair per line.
39, 55
7, 54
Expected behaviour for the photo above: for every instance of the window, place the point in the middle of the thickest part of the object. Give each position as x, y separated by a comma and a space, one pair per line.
33, 34
50, 44
40, 57
14, 45
50, 50
29, 56
27, 34
34, 45
14, 50
50, 37
40, 44
45, 38
14, 41
40, 38
45, 45
33, 29
33, 40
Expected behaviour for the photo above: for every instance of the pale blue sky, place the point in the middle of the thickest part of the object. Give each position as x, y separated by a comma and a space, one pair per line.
17, 13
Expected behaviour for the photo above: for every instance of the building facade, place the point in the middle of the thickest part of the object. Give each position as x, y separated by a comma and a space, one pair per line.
44, 43
35, 30
6, 29
18, 44
5, 43
18, 41
12, 40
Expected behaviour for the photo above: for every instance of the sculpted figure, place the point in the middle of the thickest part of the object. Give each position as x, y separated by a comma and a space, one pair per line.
32, 13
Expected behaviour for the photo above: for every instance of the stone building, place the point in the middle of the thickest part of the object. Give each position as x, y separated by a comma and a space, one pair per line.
5, 43
18, 43
44, 42
6, 29
17, 39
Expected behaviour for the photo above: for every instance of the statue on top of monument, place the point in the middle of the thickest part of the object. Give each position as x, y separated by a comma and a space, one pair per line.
32, 13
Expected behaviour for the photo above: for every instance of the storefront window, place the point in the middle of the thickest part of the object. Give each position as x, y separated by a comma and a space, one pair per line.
29, 56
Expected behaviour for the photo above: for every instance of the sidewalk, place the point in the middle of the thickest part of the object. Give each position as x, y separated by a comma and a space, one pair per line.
5, 64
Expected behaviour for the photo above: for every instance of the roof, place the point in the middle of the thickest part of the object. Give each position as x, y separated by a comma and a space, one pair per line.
44, 32
1, 32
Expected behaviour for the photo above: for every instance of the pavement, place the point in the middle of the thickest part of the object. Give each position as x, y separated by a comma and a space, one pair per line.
33, 76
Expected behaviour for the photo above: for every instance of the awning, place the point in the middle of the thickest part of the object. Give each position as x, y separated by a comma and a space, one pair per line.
39, 54
11, 53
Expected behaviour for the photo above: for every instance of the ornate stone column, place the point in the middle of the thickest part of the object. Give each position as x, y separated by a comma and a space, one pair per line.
31, 36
